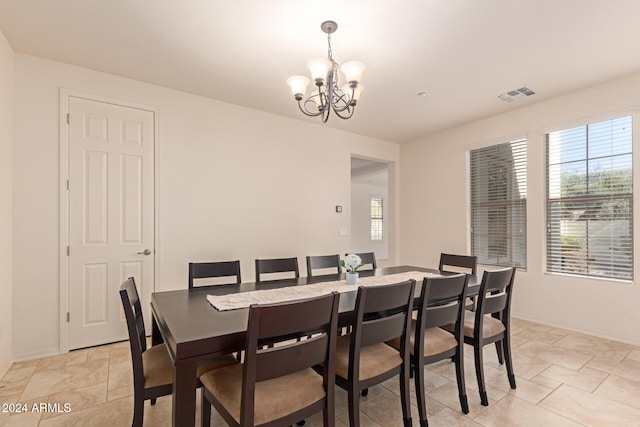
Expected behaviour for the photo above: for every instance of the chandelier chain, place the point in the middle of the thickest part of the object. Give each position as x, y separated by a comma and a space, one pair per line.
329, 51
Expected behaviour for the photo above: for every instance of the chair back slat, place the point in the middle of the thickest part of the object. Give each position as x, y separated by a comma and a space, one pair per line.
368, 259
495, 303
382, 313
462, 261
382, 329
375, 299
442, 300
493, 295
276, 265
442, 314
278, 324
317, 262
273, 362
289, 319
206, 270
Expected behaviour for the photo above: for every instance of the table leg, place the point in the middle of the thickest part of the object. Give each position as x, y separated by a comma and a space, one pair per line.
156, 336
184, 394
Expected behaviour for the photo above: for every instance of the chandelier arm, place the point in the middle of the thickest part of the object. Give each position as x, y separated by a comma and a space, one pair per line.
341, 98
306, 112
349, 110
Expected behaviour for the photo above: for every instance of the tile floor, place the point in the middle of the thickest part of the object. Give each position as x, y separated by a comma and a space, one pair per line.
564, 379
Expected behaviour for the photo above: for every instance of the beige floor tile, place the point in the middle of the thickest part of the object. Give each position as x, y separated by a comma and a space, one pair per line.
78, 399
586, 380
569, 358
526, 366
15, 380
634, 355
546, 382
120, 375
447, 395
512, 411
78, 357
119, 393
526, 390
449, 417
589, 409
599, 348
116, 413
621, 390
66, 378
386, 410
27, 419
547, 336
628, 368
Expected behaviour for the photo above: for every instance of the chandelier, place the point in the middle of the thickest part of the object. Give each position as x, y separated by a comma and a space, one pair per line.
329, 95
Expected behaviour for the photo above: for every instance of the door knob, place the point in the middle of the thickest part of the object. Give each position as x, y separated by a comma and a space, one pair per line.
145, 252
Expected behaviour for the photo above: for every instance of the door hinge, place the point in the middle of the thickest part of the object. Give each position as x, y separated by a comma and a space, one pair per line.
68, 118
67, 184
68, 250
68, 317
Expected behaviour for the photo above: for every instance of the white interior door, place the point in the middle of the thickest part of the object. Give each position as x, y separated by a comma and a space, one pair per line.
111, 216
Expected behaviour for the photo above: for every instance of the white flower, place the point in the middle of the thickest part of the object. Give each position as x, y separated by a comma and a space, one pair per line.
351, 263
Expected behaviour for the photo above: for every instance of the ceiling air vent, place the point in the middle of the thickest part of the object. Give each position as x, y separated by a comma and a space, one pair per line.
512, 95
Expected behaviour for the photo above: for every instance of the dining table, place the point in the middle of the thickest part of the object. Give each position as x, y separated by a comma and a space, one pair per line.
193, 329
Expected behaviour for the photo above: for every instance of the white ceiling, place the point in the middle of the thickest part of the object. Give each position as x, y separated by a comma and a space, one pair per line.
463, 53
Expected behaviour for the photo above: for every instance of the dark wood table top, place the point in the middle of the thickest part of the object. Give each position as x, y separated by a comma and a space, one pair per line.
193, 329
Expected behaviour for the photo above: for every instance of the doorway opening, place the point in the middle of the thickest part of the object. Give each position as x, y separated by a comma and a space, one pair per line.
372, 207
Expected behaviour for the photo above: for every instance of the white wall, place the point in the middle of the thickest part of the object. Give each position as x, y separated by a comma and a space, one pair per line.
235, 183
6, 206
434, 209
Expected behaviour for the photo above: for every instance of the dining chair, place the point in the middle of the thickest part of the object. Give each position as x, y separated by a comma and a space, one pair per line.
152, 367
368, 258
491, 324
207, 270
323, 262
442, 302
276, 265
462, 264
363, 359
468, 262
277, 385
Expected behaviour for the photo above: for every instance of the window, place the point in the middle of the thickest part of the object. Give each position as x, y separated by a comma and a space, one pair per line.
498, 191
376, 218
590, 200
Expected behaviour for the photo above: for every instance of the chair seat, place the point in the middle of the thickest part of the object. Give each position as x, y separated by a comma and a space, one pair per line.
207, 365
374, 359
490, 326
274, 398
436, 340
158, 366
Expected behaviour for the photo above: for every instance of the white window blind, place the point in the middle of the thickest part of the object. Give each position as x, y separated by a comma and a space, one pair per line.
590, 200
498, 205
377, 218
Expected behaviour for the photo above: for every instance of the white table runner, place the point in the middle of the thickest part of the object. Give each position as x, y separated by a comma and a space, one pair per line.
292, 293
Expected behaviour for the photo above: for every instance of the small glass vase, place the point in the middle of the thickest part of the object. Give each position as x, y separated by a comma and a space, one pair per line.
352, 278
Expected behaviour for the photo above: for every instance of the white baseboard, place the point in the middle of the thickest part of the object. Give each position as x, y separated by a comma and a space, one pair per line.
46, 352
579, 331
